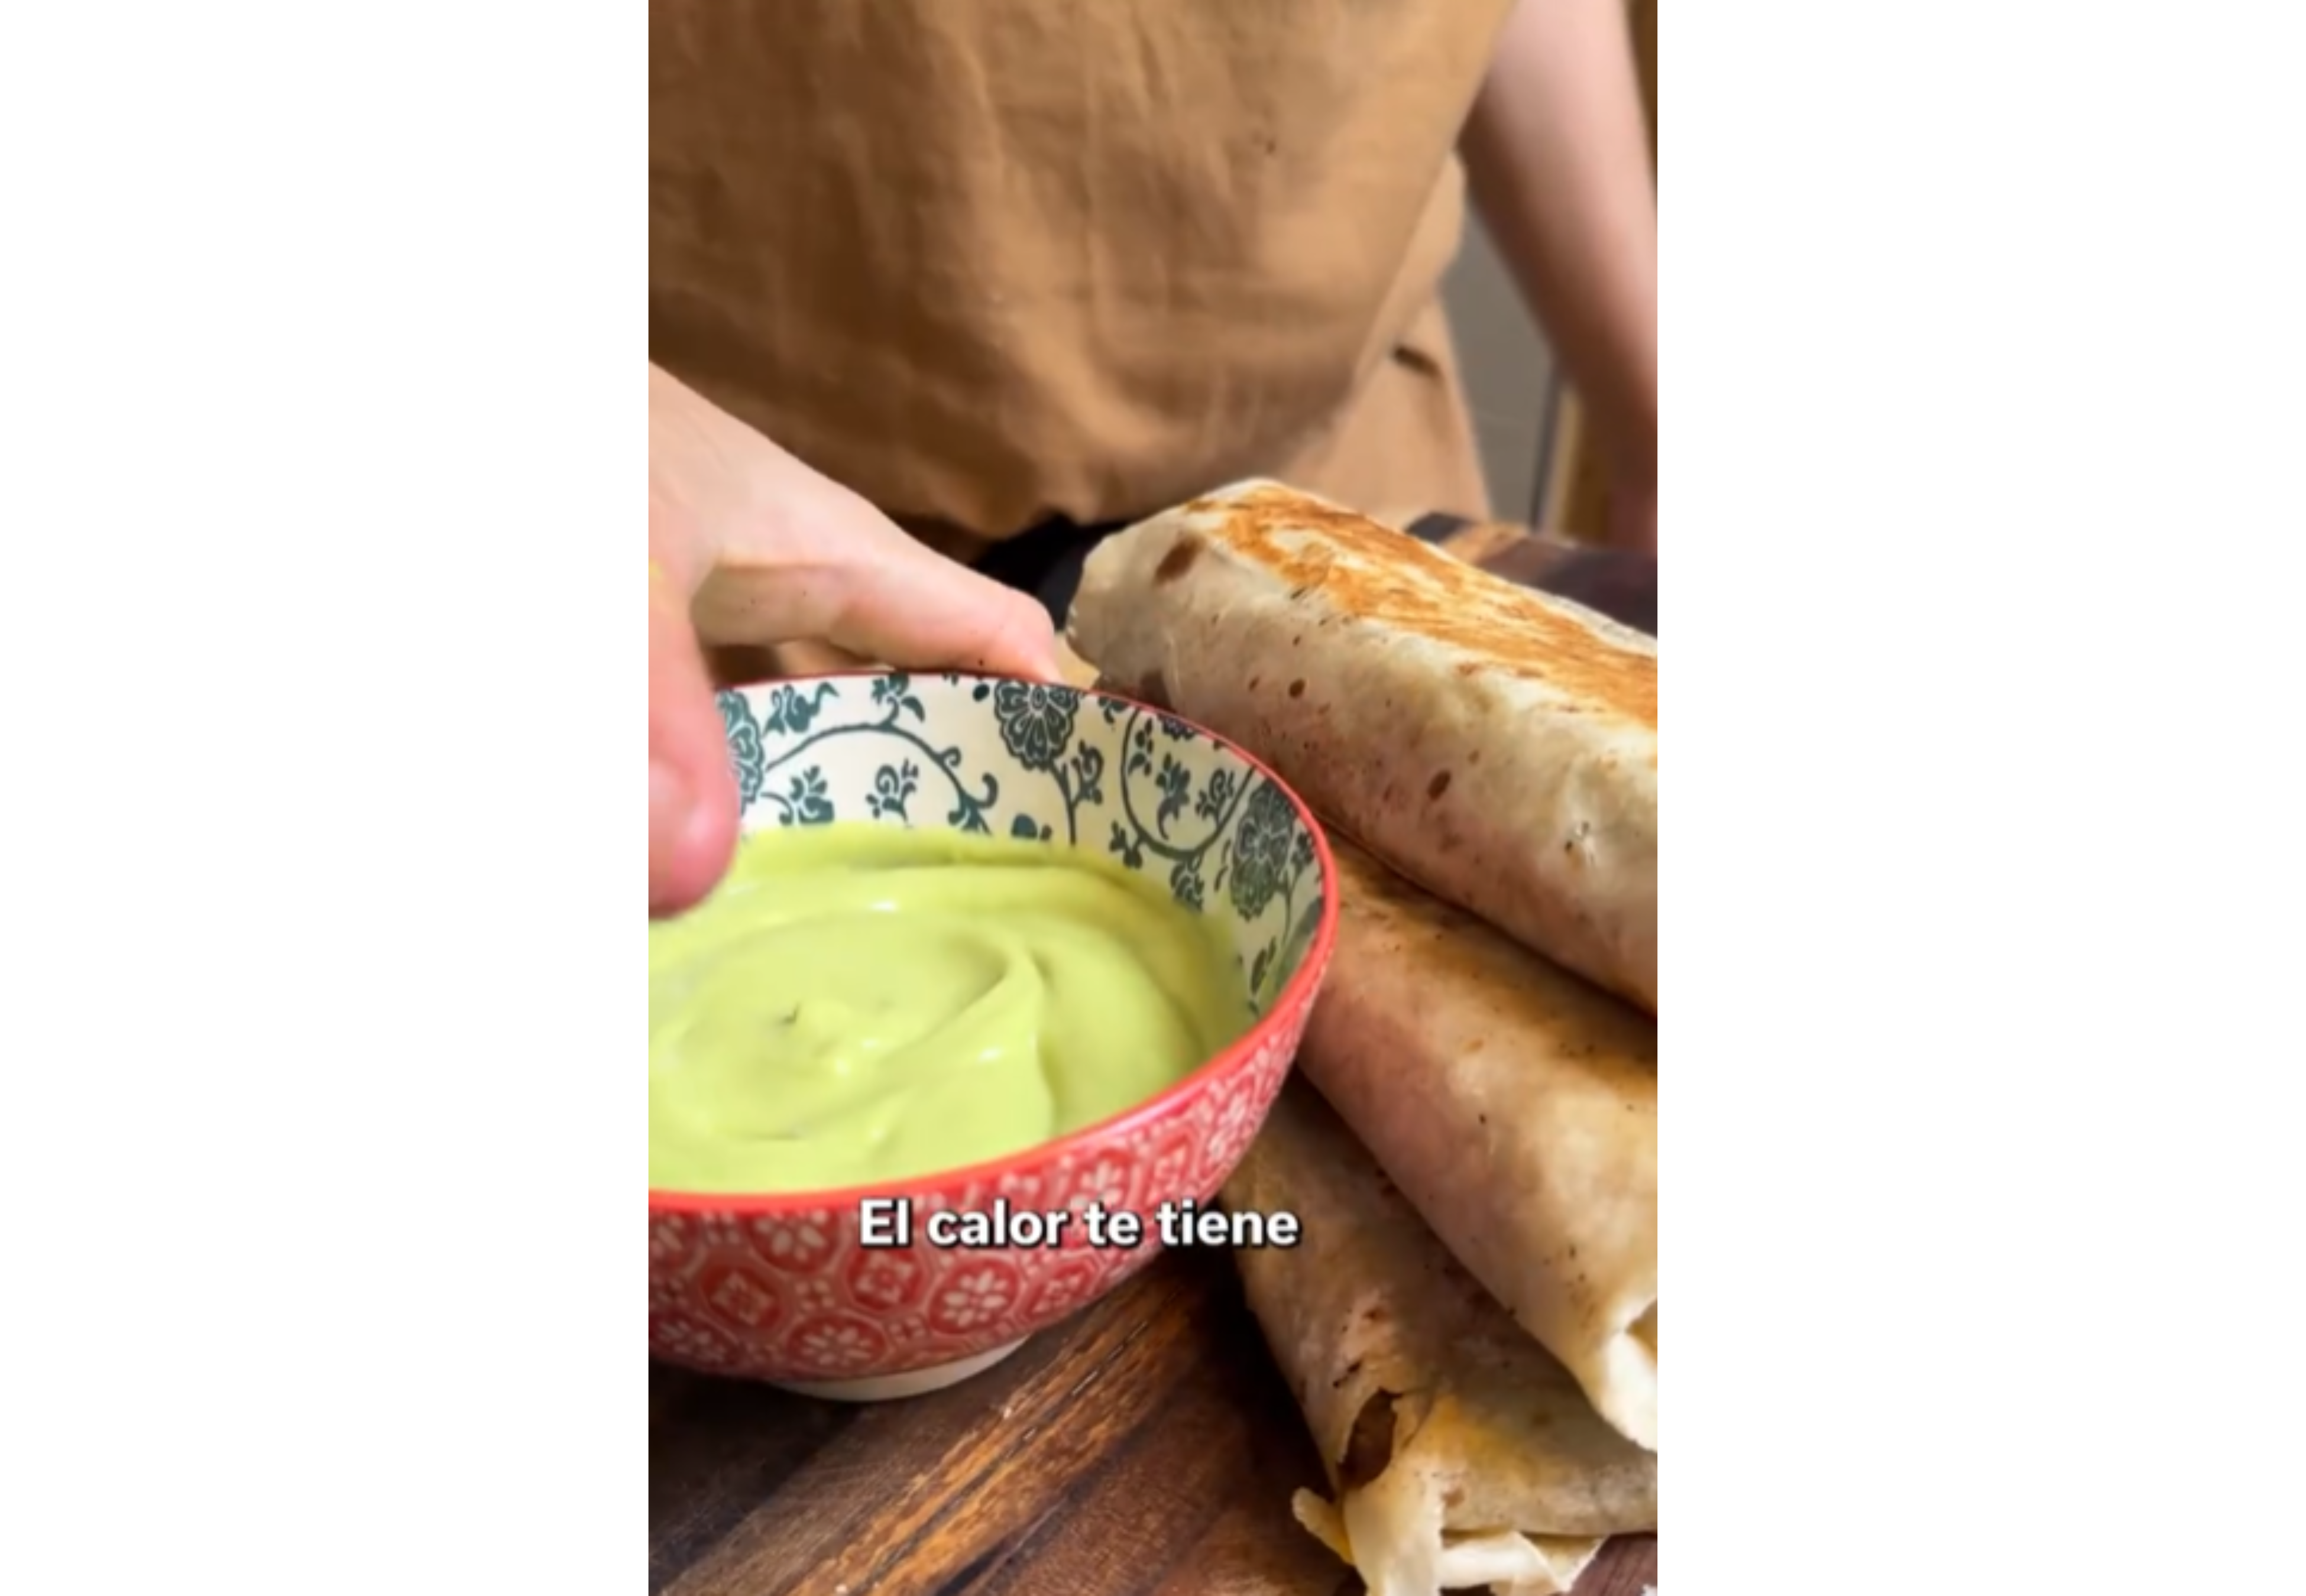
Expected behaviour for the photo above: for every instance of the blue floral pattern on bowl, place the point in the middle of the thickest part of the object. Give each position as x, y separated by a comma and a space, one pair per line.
1048, 762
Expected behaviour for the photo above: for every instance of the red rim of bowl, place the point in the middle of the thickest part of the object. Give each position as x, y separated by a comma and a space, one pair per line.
1293, 994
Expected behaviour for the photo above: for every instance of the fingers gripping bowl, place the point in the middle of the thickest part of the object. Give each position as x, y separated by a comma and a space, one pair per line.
781, 1286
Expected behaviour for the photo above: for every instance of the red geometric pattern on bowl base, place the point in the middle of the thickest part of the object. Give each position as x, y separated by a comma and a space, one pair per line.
794, 1296
841, 1344
740, 1300
883, 1280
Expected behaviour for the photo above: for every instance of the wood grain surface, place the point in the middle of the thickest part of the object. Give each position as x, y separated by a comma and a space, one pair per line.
1147, 1446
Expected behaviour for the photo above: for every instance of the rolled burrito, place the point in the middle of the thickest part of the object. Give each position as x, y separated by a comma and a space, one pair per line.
1515, 1106
1461, 1454
1493, 744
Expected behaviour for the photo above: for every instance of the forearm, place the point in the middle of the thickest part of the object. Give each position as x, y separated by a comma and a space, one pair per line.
1558, 156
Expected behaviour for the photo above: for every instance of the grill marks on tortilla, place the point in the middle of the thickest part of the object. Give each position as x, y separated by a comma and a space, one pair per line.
1179, 560
1368, 1448
1378, 574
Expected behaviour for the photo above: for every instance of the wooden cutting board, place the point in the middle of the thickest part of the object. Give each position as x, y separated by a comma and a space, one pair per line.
1148, 1447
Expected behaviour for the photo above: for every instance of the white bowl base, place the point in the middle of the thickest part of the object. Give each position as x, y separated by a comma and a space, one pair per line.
893, 1387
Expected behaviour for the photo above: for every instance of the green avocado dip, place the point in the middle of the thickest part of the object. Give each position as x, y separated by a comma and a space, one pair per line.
858, 1003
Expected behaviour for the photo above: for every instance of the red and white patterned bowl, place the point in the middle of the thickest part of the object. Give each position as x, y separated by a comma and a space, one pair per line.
778, 1287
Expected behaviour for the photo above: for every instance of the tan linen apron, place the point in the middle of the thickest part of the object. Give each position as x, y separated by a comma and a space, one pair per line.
990, 263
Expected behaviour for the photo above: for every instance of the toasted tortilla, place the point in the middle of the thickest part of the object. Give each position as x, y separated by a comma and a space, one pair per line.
1462, 1455
1515, 1106
1495, 744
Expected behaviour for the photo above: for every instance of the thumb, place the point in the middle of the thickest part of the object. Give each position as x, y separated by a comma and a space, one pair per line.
909, 606
692, 789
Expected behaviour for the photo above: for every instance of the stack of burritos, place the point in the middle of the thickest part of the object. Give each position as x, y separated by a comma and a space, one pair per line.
1470, 1321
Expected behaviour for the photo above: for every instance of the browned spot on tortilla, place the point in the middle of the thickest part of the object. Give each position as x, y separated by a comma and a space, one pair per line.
1438, 786
1452, 1497
1252, 684
1297, 688
1154, 690
1473, 756
1378, 574
1179, 560
1368, 1448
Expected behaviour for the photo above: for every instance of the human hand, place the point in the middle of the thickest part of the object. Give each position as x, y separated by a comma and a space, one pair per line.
748, 546
1633, 514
